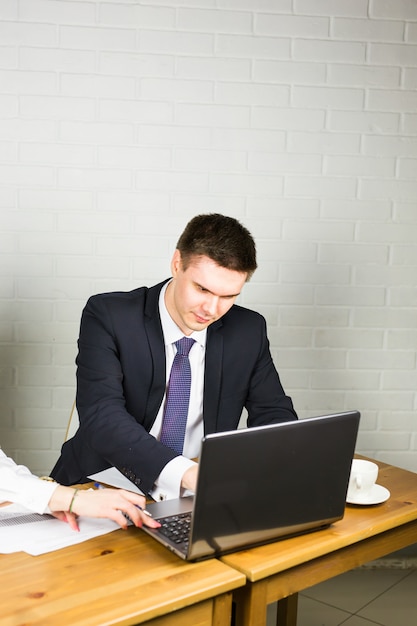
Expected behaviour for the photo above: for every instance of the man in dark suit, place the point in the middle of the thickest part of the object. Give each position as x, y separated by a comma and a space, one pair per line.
126, 349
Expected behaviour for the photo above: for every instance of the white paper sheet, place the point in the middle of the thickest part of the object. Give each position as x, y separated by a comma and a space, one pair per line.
24, 531
114, 478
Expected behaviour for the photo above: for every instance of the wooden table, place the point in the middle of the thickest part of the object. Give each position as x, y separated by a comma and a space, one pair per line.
278, 571
124, 577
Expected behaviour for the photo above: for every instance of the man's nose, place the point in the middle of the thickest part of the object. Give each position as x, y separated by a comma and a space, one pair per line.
211, 303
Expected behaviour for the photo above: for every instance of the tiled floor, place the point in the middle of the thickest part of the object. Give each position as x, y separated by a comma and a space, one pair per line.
362, 597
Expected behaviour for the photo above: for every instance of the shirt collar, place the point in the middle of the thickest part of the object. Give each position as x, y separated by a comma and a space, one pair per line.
169, 328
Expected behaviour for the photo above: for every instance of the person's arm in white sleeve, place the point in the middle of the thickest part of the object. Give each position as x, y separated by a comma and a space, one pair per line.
18, 484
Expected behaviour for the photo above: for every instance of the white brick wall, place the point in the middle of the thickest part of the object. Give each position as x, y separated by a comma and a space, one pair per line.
121, 119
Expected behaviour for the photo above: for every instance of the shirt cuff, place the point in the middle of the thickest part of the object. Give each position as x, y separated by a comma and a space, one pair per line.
168, 484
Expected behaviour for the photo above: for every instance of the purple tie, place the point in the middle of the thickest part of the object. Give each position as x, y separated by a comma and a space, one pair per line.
178, 398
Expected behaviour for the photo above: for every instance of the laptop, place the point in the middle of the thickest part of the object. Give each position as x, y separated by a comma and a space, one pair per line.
256, 485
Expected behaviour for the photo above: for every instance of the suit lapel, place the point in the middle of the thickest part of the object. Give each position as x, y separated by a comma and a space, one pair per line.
212, 376
157, 348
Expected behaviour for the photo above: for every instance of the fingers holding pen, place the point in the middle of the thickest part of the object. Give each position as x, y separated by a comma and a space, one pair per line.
114, 504
135, 509
136, 515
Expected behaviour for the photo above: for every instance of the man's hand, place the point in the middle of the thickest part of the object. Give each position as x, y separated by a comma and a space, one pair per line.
189, 479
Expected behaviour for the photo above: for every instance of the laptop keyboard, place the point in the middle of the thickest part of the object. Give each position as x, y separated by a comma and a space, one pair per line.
176, 527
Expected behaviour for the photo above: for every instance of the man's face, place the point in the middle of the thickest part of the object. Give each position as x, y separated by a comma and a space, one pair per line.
201, 294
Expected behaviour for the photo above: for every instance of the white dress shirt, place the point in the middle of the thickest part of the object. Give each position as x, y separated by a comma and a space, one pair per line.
168, 484
18, 484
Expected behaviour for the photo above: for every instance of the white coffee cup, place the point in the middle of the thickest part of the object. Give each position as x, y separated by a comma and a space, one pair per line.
363, 475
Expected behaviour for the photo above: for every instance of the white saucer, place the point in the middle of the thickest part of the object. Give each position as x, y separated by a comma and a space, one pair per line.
377, 495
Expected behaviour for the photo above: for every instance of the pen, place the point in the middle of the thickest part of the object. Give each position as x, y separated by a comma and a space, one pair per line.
143, 510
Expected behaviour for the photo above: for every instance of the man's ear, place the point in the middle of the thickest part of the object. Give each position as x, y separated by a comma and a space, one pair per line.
176, 263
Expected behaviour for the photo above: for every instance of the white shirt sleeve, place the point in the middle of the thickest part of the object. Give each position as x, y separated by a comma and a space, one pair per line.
168, 483
19, 485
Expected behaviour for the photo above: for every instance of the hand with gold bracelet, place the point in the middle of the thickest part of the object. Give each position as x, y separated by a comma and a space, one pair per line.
67, 504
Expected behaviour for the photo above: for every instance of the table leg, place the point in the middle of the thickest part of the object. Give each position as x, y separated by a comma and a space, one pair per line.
222, 610
251, 603
287, 611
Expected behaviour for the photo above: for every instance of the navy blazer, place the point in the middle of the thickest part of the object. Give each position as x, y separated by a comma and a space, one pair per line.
121, 384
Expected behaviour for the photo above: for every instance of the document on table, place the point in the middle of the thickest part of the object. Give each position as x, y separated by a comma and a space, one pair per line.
24, 531
114, 478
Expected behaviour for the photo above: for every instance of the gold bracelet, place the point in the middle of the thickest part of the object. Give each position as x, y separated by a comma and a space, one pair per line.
72, 500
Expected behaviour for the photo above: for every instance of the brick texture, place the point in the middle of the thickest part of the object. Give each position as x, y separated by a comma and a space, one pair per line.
120, 120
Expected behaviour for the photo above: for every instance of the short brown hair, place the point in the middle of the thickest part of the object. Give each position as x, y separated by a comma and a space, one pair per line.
221, 238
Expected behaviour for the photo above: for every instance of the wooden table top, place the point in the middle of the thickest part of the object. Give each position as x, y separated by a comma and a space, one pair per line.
124, 577
359, 523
